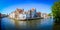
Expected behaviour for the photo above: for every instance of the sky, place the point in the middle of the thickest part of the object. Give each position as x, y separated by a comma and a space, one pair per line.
43, 6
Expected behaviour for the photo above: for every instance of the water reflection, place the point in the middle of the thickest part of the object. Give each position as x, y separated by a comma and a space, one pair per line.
7, 24
27, 24
41, 24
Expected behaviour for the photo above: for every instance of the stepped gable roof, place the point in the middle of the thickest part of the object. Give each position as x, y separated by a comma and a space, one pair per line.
33, 9
20, 10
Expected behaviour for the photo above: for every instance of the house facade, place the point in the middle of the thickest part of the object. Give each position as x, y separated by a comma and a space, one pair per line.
44, 15
21, 14
38, 14
33, 13
12, 15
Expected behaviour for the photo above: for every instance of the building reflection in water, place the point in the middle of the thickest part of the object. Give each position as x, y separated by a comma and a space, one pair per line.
41, 24
32, 24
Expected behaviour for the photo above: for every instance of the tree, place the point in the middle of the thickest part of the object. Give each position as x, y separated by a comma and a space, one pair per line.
49, 14
56, 11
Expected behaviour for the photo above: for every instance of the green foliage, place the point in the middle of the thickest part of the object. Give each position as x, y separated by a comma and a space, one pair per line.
56, 11
49, 14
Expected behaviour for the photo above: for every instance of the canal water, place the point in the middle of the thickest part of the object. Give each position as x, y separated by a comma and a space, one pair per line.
40, 24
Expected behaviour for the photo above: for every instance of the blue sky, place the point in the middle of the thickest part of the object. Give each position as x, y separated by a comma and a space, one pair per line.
8, 6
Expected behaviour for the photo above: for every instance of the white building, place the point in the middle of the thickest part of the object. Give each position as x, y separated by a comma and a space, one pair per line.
12, 15
44, 15
22, 16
